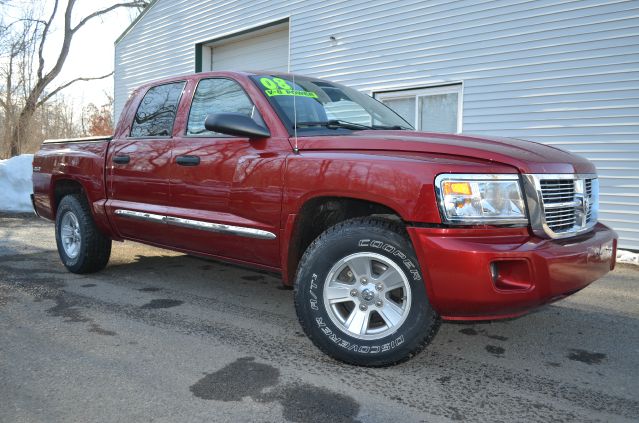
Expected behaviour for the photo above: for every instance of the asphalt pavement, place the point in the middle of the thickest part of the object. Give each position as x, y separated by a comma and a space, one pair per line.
159, 336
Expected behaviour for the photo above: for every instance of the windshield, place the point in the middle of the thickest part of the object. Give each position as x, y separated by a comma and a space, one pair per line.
318, 105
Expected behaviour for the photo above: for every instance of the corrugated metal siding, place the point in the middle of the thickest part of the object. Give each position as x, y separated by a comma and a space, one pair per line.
267, 51
564, 73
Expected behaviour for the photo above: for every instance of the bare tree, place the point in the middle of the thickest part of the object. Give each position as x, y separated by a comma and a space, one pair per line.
98, 120
23, 42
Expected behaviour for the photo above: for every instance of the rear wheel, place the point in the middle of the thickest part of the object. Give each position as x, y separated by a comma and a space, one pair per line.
81, 246
360, 294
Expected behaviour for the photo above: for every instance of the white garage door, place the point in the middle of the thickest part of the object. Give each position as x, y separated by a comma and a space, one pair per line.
263, 50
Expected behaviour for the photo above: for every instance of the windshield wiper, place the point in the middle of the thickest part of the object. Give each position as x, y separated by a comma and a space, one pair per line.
391, 127
336, 123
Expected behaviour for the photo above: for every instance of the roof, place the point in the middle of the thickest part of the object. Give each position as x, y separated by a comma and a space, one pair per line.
222, 73
135, 21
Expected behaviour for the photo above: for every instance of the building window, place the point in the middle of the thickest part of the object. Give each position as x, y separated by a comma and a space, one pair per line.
433, 109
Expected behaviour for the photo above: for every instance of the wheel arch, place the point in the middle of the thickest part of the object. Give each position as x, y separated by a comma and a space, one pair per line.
68, 185
62, 187
314, 216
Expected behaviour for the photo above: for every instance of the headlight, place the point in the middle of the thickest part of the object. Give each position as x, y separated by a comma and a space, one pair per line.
480, 199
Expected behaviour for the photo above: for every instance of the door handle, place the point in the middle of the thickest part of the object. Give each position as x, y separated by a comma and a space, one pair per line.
121, 159
188, 160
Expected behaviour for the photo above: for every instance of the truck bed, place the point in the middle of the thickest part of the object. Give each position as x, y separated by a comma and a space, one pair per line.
61, 162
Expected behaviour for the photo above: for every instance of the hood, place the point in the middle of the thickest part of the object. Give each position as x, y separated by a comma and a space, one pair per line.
526, 156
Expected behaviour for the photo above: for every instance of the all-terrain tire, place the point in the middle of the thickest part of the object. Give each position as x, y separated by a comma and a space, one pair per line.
330, 318
81, 245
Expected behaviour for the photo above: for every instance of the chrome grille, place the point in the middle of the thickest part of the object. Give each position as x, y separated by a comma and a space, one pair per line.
560, 219
589, 194
557, 190
558, 196
562, 205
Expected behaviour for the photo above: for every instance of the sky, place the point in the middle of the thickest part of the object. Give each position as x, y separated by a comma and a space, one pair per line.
92, 49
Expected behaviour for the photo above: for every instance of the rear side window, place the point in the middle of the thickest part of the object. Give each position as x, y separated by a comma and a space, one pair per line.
218, 95
156, 113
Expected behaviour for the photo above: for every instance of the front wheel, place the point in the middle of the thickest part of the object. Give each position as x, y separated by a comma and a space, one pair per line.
360, 294
82, 247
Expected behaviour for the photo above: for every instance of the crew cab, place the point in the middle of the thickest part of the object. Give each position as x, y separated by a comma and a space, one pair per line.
382, 231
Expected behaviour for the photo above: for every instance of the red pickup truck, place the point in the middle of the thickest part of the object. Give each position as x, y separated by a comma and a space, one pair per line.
383, 231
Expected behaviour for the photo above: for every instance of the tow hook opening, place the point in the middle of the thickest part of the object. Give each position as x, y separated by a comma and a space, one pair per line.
511, 275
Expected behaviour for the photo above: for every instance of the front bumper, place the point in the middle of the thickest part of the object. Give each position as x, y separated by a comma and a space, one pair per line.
484, 274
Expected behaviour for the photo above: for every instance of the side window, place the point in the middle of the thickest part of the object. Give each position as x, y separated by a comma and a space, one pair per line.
218, 95
156, 113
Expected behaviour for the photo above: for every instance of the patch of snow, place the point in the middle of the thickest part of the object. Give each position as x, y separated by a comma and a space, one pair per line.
15, 184
627, 257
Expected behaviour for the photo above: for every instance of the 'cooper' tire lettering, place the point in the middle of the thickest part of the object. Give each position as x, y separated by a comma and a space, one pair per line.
364, 242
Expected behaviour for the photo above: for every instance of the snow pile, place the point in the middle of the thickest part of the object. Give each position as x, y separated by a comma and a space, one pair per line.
627, 257
15, 184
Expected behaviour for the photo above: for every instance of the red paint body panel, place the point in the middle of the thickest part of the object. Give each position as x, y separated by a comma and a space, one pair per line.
403, 184
525, 156
238, 182
81, 163
141, 185
459, 281
263, 184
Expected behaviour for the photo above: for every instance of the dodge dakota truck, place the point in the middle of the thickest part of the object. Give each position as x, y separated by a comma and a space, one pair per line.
382, 231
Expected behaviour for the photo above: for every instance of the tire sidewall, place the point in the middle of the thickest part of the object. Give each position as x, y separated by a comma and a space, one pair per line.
310, 298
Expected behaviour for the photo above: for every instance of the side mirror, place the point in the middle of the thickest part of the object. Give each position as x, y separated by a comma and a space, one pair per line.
235, 124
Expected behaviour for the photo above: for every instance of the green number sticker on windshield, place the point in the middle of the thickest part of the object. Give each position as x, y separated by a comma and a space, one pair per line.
275, 83
268, 83
278, 86
294, 93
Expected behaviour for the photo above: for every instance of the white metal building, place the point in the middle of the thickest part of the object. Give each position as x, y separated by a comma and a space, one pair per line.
560, 72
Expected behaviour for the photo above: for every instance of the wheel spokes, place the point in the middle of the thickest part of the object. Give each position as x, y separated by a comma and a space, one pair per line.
367, 295
70, 234
358, 321
391, 279
360, 266
66, 232
338, 292
391, 313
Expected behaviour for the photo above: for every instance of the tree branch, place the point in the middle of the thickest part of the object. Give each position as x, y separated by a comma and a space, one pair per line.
47, 25
69, 32
65, 85
136, 3
21, 20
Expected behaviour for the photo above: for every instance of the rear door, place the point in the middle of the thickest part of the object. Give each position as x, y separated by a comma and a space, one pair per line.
138, 167
226, 191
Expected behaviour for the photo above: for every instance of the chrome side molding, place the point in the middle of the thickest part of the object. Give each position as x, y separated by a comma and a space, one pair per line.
220, 228
198, 224
140, 215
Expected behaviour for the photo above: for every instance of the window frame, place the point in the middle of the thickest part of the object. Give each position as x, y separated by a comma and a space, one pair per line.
186, 134
425, 91
179, 101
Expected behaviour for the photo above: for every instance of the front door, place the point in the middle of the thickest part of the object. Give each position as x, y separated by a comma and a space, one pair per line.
138, 167
226, 191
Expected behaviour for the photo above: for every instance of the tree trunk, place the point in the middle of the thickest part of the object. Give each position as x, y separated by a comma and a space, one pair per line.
21, 129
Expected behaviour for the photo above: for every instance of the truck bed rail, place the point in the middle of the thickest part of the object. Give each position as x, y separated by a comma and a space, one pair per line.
83, 139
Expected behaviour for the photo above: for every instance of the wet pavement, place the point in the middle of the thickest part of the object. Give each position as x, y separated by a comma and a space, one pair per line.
160, 336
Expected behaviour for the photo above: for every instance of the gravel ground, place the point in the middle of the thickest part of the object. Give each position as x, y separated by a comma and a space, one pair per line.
160, 336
